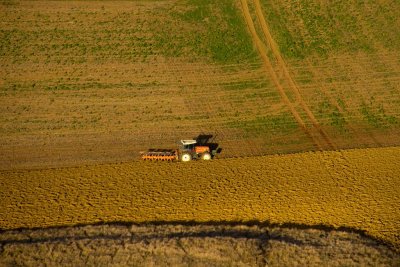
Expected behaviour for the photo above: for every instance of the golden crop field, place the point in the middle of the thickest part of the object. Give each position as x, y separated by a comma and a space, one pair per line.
356, 189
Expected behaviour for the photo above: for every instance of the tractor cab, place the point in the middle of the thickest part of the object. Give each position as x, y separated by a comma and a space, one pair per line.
188, 145
189, 150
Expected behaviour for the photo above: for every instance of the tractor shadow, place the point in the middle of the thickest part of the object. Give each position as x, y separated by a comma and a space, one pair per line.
208, 140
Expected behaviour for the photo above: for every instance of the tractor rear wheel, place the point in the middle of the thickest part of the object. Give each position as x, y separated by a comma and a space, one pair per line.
206, 156
185, 157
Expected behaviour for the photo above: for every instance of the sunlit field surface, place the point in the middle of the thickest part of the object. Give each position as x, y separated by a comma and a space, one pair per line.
358, 189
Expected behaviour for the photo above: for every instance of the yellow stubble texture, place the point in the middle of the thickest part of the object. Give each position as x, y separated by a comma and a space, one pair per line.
358, 189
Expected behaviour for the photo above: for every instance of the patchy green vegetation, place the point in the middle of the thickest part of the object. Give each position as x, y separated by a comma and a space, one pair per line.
253, 84
210, 29
334, 117
193, 29
375, 114
304, 28
267, 125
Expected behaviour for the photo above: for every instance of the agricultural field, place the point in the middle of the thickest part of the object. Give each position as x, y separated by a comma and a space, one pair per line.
302, 97
355, 189
98, 81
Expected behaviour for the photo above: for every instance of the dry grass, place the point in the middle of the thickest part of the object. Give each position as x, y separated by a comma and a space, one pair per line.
194, 245
356, 188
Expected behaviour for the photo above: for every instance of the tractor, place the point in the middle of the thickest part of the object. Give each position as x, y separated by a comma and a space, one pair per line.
187, 151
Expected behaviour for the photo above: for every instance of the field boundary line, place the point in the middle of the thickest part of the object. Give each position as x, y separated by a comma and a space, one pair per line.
269, 69
286, 74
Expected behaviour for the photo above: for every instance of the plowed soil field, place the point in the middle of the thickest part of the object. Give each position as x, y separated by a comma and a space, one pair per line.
356, 189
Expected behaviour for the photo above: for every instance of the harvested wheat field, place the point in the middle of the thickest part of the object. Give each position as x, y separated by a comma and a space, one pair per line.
357, 189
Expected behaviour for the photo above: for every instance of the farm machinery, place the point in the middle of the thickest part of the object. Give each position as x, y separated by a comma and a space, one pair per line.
187, 151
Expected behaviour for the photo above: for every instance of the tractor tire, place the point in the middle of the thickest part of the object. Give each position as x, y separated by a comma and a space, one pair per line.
206, 156
185, 157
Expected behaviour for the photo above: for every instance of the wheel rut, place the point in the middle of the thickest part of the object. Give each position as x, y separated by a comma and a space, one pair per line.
281, 76
272, 74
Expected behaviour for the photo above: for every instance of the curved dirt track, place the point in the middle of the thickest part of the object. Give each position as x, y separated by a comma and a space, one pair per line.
268, 67
282, 65
317, 134
356, 188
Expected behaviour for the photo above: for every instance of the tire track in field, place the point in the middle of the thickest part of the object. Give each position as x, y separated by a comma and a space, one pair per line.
287, 76
269, 69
